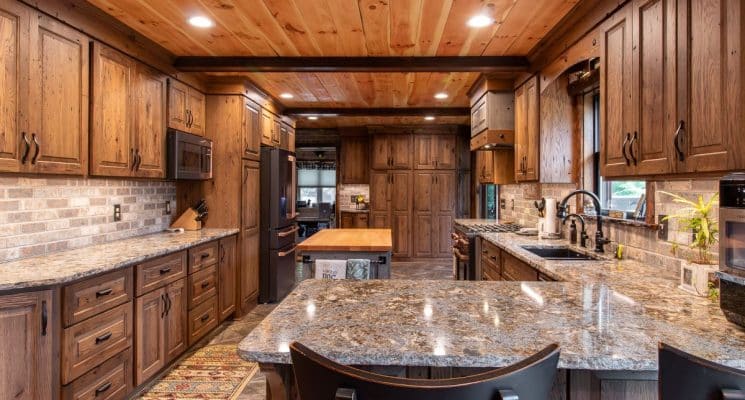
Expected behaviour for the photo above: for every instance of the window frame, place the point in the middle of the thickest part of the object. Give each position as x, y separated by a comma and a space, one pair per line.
319, 188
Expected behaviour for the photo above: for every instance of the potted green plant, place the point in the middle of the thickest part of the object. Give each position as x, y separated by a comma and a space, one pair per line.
697, 216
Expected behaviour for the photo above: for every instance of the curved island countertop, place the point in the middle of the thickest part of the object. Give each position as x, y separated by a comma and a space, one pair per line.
605, 314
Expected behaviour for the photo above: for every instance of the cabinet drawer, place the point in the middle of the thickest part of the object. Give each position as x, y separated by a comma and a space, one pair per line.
93, 296
95, 340
517, 270
159, 272
490, 252
490, 270
202, 286
111, 380
202, 319
202, 256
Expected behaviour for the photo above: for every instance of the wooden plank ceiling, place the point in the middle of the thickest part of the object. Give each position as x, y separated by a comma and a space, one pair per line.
355, 28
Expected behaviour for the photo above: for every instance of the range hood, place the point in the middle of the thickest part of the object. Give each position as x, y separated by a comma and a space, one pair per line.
493, 139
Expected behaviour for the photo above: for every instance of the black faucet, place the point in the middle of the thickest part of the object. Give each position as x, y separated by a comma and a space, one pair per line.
583, 234
600, 241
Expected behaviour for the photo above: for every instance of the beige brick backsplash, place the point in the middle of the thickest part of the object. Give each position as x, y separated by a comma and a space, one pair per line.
345, 192
45, 215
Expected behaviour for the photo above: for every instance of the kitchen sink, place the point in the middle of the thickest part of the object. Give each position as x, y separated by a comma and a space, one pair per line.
558, 253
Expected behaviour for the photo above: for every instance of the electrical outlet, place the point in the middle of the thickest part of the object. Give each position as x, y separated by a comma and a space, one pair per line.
503, 204
168, 207
662, 233
117, 212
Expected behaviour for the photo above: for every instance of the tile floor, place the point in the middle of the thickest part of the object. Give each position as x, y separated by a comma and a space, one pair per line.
235, 331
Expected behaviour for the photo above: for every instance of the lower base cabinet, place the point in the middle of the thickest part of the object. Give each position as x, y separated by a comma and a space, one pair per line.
111, 380
227, 269
202, 319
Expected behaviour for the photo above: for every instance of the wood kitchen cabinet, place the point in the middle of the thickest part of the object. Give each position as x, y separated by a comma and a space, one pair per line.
227, 277
186, 108
434, 210
251, 128
391, 151
527, 131
249, 270
390, 204
435, 152
354, 220
354, 155
44, 92
128, 133
26, 340
495, 166
250, 197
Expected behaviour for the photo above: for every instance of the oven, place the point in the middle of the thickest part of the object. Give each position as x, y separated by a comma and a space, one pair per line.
189, 156
732, 247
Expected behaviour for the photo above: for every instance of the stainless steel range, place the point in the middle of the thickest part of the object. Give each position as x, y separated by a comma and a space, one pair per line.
464, 245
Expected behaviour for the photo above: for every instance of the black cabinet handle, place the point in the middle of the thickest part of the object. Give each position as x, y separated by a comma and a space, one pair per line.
222, 254
103, 388
623, 148
44, 318
134, 159
106, 336
165, 305
676, 141
104, 292
138, 159
38, 148
205, 317
631, 147
24, 158
204, 255
205, 285
168, 304
164, 271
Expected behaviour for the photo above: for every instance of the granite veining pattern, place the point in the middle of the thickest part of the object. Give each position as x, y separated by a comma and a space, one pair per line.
72, 265
605, 314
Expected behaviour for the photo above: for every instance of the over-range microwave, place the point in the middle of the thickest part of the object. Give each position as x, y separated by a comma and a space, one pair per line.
189, 156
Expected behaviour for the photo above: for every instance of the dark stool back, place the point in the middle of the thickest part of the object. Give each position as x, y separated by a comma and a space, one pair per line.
319, 378
684, 376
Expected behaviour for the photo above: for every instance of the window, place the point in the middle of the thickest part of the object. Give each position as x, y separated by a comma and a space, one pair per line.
316, 182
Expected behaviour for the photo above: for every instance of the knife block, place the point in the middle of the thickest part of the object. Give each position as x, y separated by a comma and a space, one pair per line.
188, 221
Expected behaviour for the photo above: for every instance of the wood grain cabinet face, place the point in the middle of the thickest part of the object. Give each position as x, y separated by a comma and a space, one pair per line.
26, 342
158, 272
93, 296
111, 380
202, 285
354, 157
267, 127
203, 256
527, 131
174, 320
249, 269
150, 354
252, 132
435, 152
150, 90
13, 84
250, 217
227, 278
196, 103
186, 108
202, 320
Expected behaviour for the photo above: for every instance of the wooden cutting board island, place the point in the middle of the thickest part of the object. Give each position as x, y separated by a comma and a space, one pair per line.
344, 244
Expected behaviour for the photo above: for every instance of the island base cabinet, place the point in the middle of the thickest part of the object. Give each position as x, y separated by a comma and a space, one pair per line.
612, 385
111, 380
26, 336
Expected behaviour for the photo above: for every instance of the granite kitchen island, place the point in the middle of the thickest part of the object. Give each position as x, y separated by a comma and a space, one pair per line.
344, 244
608, 317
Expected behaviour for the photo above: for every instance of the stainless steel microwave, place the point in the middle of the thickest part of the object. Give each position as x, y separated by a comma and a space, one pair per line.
189, 156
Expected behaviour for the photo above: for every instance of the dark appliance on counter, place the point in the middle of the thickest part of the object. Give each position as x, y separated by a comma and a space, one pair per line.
464, 247
189, 157
732, 247
278, 227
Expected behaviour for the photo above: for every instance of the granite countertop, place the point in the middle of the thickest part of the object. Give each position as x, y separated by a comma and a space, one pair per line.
605, 314
68, 266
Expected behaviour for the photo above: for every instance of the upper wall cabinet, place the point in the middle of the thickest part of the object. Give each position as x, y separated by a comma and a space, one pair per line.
527, 131
435, 152
391, 151
251, 131
493, 120
186, 107
129, 117
44, 94
354, 154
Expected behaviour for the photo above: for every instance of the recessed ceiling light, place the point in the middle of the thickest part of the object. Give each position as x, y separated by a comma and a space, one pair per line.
200, 21
441, 95
312, 118
429, 118
286, 95
479, 21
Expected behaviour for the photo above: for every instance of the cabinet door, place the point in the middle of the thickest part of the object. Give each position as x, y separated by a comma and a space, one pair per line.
443, 193
276, 131
250, 196
531, 144
283, 137
58, 117
401, 223
267, 126
196, 103
445, 152
379, 191
521, 131
177, 105
150, 354
423, 235
150, 122
361, 221
423, 191
400, 151
710, 99
616, 114
227, 277
381, 152
112, 149
347, 220
380, 220
443, 245
251, 132
425, 151
485, 166
355, 168
26, 338
14, 29
175, 320
249, 269
400, 191
291, 140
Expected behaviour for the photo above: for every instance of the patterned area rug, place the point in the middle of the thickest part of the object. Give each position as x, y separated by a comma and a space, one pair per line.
212, 372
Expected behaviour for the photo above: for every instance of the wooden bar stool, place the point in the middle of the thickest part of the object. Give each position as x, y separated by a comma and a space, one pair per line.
319, 378
684, 376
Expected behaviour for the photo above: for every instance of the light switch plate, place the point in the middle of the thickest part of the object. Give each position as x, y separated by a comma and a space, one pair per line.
503, 204
168, 208
117, 212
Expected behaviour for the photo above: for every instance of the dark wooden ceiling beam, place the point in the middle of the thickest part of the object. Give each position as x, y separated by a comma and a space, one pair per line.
352, 64
379, 112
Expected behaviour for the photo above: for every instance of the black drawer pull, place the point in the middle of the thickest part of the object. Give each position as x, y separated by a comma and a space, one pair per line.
103, 338
205, 285
205, 255
205, 317
104, 292
103, 388
164, 271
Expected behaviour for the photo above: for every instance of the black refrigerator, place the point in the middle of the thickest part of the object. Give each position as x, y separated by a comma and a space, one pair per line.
278, 227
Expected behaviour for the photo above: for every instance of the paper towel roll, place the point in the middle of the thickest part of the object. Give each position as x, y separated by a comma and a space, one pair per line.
550, 225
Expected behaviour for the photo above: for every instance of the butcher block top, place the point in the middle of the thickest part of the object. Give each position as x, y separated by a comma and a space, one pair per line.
348, 240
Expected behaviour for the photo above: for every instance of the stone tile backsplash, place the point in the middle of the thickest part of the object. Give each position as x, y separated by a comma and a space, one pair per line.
345, 192
44, 215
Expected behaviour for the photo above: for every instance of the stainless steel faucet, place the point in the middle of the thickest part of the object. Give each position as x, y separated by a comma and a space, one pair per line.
600, 240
